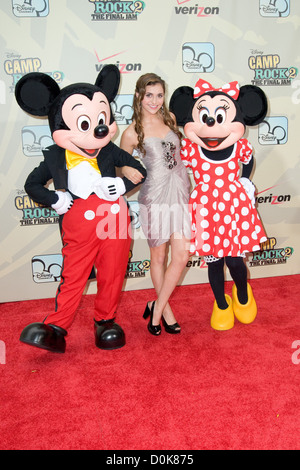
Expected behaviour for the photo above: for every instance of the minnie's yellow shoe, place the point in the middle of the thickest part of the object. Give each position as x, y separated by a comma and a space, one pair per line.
222, 319
245, 313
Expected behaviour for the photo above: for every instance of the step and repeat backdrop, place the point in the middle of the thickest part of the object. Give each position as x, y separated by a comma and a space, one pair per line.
251, 41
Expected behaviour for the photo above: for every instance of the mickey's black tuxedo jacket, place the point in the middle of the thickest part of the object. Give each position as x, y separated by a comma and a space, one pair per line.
54, 167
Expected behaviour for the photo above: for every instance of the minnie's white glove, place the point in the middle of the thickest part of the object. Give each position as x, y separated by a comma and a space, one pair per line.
64, 203
110, 189
249, 188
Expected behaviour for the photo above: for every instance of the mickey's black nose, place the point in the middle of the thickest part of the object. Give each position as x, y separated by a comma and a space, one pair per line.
101, 131
210, 121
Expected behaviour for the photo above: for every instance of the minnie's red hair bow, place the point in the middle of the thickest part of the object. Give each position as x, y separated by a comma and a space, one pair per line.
232, 89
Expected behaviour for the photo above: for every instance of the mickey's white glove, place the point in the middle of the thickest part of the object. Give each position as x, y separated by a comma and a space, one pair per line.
64, 203
110, 189
249, 188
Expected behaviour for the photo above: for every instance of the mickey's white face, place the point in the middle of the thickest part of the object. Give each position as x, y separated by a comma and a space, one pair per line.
213, 126
88, 122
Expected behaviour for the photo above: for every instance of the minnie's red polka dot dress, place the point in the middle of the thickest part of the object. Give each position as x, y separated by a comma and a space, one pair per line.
224, 221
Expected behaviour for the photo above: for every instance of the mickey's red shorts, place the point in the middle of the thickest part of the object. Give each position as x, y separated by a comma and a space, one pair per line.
95, 233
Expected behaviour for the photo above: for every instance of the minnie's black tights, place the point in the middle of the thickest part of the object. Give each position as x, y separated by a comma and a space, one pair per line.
238, 272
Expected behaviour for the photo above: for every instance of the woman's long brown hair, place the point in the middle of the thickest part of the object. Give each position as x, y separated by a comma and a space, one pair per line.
140, 90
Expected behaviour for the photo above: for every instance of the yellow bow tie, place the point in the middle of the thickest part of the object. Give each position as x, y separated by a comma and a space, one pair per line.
74, 159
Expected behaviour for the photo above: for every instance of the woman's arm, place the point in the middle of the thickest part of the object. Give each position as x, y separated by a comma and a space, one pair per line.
129, 143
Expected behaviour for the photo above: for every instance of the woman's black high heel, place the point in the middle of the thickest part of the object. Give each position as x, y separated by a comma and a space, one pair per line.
172, 329
153, 329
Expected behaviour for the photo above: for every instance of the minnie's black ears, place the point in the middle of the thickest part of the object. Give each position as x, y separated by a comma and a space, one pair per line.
253, 104
181, 104
35, 92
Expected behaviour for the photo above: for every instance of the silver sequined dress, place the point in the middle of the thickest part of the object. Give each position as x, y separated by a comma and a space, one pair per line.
164, 196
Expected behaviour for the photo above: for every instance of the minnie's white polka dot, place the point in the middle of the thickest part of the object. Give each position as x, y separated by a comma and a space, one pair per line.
206, 178
206, 248
231, 165
205, 166
219, 183
226, 196
245, 225
205, 188
194, 163
216, 217
204, 212
221, 206
219, 171
217, 240
227, 219
215, 193
245, 211
204, 199
245, 240
194, 194
205, 236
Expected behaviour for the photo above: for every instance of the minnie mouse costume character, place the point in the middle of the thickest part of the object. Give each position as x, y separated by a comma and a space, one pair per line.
225, 222
94, 219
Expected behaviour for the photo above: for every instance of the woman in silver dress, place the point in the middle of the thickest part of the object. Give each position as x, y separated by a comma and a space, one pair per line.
163, 197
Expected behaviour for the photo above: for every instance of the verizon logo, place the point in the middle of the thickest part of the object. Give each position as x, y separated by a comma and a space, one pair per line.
197, 11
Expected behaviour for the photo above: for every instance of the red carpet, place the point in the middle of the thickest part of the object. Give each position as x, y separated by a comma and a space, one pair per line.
201, 389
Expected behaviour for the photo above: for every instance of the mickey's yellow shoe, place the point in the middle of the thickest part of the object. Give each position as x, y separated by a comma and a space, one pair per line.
245, 313
222, 319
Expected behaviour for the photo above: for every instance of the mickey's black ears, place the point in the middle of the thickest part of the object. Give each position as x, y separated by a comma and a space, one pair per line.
108, 81
181, 104
253, 104
35, 93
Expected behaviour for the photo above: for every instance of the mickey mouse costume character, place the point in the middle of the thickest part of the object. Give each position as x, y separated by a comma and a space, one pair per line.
225, 222
94, 219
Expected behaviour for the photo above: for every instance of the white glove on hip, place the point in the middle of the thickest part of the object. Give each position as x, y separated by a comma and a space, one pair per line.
249, 188
64, 203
